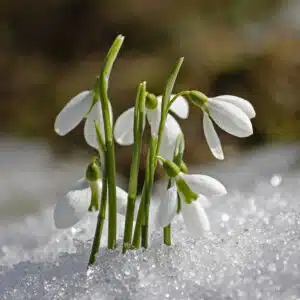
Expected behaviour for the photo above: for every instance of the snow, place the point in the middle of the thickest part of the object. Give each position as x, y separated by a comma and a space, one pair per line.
251, 253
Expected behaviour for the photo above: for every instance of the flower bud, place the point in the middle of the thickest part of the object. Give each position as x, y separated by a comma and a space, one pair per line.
93, 171
185, 190
151, 101
197, 98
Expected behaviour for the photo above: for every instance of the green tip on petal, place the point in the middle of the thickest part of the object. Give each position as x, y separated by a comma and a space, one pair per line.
151, 101
185, 190
170, 168
93, 171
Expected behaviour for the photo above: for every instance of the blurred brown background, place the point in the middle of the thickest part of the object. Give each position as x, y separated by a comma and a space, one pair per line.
52, 49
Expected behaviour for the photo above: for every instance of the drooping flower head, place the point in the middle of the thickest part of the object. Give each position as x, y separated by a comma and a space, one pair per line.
192, 190
230, 113
84, 196
84, 105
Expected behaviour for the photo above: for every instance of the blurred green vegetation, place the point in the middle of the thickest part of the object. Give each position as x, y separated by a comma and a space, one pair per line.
53, 49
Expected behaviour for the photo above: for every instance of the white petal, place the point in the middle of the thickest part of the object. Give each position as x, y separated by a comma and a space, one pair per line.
121, 201
212, 138
195, 219
180, 107
89, 126
230, 118
241, 103
203, 201
73, 112
153, 223
172, 128
73, 206
153, 117
123, 130
168, 207
170, 134
203, 184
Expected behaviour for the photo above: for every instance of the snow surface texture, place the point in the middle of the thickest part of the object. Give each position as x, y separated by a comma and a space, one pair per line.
252, 252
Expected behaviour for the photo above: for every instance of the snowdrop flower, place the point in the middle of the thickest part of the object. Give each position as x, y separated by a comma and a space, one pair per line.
79, 107
193, 189
75, 204
123, 130
230, 113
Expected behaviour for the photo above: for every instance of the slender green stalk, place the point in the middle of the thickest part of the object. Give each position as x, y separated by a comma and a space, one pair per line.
150, 176
101, 143
167, 229
102, 211
151, 162
141, 212
109, 141
139, 118
167, 235
165, 101
136, 241
178, 204
100, 222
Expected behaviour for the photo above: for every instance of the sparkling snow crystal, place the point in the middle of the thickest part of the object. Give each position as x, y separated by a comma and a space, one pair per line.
252, 252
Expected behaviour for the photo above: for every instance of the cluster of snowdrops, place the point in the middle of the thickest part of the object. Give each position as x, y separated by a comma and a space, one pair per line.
97, 190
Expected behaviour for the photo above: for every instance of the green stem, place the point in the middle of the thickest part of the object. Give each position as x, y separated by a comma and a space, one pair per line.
109, 141
165, 101
167, 235
129, 222
141, 212
101, 143
167, 229
136, 241
100, 222
150, 182
133, 179
178, 204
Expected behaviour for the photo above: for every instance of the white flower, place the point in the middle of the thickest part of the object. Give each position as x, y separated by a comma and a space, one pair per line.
168, 207
194, 215
230, 113
74, 205
123, 130
75, 111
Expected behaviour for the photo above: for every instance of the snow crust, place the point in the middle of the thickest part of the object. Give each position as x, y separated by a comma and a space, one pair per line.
251, 253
